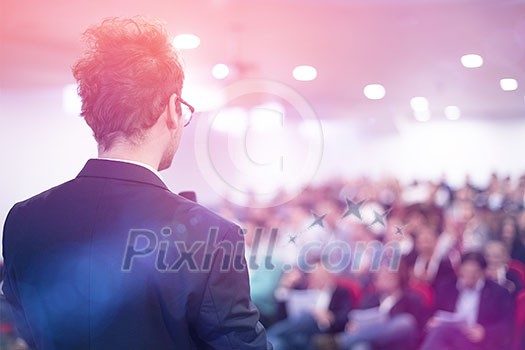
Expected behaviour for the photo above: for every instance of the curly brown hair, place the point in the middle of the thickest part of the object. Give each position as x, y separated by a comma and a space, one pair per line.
125, 77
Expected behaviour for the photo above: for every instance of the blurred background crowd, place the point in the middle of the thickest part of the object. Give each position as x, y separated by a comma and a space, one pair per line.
412, 88
436, 229
376, 264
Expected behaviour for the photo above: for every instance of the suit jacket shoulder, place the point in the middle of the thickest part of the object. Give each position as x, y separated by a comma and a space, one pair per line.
114, 260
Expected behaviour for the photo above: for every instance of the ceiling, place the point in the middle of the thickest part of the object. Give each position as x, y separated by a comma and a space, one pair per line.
412, 47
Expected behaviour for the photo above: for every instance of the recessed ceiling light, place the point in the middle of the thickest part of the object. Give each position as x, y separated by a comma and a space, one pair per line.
304, 73
472, 60
452, 112
186, 41
374, 91
508, 84
220, 71
419, 104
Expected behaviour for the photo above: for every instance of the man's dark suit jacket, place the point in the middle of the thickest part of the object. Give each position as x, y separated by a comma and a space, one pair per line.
444, 273
113, 260
496, 310
408, 303
340, 305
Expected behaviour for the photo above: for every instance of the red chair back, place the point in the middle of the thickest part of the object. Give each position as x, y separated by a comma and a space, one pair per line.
520, 319
424, 290
519, 268
353, 287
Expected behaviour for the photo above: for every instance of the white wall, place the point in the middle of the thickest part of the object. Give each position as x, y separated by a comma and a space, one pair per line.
427, 150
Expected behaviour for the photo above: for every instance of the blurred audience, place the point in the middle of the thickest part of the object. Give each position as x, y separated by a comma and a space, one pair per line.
512, 237
317, 278
497, 256
431, 225
321, 308
428, 264
472, 312
391, 317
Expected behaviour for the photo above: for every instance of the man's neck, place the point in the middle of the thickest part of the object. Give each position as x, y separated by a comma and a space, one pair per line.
139, 157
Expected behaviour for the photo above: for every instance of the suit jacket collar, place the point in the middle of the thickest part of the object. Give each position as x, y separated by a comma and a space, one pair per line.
104, 168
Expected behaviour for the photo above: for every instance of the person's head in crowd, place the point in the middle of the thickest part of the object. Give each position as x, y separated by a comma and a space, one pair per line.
415, 218
333, 210
452, 226
259, 215
426, 240
472, 269
496, 253
362, 233
275, 222
497, 256
418, 215
321, 276
494, 183
130, 82
466, 192
293, 279
491, 218
435, 218
509, 231
297, 215
467, 211
397, 231
521, 225
388, 281
506, 185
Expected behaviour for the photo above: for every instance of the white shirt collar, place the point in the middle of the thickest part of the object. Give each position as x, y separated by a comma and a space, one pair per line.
150, 168
468, 303
388, 303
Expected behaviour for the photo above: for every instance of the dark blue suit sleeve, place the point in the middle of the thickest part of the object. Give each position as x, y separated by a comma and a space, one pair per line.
340, 306
499, 318
10, 286
227, 317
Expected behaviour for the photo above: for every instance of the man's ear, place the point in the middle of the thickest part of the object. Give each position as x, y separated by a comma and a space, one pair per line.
174, 115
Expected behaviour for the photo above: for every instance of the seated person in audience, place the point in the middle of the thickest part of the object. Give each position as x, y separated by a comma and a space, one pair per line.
497, 257
520, 219
475, 233
513, 238
321, 308
390, 318
293, 280
396, 232
427, 264
264, 270
474, 313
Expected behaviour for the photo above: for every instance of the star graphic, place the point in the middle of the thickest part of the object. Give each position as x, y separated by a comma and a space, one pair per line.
399, 229
318, 220
353, 208
292, 239
380, 218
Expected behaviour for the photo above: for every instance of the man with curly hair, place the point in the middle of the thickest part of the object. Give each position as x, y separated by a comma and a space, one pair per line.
113, 259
